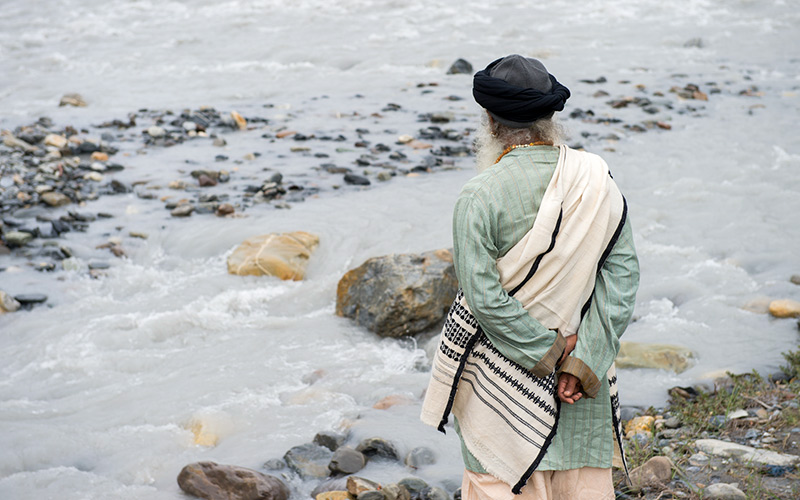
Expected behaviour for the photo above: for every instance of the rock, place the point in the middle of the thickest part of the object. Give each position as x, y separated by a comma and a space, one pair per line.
659, 356
672, 423
723, 491
745, 454
356, 180
99, 156
414, 485
309, 461
420, 456
699, 459
357, 485
392, 400
384, 176
94, 176
654, 472
330, 440
785, 308
346, 460
285, 133
460, 67
206, 181
795, 279
239, 120
736, 414
225, 209
275, 464
8, 303
17, 238
183, 210
203, 435
434, 493
55, 140
226, 482
378, 448
72, 100
398, 295
15, 143
220, 142
29, 299
372, 495
332, 495
639, 424
284, 255
395, 492
156, 132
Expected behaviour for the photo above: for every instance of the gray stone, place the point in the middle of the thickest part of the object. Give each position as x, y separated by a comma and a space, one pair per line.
347, 461
460, 67
672, 423
336, 484
434, 493
397, 295
31, 298
657, 356
156, 132
17, 238
356, 180
183, 210
55, 199
699, 459
745, 454
420, 456
394, 491
795, 279
358, 485
309, 461
414, 485
226, 482
372, 495
275, 464
330, 440
378, 448
654, 472
723, 491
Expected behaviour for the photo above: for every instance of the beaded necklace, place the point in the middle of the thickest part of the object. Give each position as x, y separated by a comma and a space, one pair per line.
515, 146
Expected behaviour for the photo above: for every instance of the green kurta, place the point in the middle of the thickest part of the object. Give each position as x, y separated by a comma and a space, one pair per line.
493, 212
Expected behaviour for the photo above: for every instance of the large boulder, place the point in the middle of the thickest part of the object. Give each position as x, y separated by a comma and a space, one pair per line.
401, 294
656, 471
284, 255
658, 356
227, 482
745, 454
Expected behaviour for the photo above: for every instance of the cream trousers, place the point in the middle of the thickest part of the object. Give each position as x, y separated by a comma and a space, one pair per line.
587, 483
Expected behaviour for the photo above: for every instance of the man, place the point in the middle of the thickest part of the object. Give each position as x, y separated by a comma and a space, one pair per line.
548, 222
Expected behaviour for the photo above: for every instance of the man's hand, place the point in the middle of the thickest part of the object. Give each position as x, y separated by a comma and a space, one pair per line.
569, 387
571, 341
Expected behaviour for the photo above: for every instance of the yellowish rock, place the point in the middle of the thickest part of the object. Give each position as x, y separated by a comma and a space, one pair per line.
785, 308
8, 303
333, 495
393, 400
639, 424
202, 434
657, 356
239, 119
72, 100
99, 156
284, 255
55, 140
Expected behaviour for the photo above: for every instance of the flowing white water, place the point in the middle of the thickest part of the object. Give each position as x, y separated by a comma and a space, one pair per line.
99, 391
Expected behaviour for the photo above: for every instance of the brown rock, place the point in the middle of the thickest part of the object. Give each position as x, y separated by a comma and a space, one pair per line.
239, 120
226, 482
55, 199
55, 140
654, 472
99, 156
206, 181
285, 133
357, 485
785, 308
397, 295
225, 209
392, 400
72, 100
333, 495
284, 255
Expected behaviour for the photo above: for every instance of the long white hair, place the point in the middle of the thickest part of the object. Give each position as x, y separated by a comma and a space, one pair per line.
492, 139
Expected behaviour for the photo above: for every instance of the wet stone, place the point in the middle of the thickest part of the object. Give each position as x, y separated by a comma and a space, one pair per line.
372, 495
309, 461
356, 180
30, 298
434, 493
420, 456
347, 461
460, 67
17, 238
99, 264
330, 440
378, 448
184, 210
413, 485
275, 464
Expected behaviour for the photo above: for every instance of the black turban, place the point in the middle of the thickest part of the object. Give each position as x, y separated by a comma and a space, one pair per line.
518, 106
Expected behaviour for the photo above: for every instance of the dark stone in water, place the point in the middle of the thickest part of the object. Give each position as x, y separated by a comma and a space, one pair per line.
277, 178
275, 464
434, 493
309, 461
420, 456
414, 485
330, 440
356, 180
99, 264
119, 187
378, 448
31, 298
347, 461
338, 484
226, 482
460, 67
372, 495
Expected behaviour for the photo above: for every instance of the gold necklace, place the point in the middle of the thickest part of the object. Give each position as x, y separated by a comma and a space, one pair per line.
515, 146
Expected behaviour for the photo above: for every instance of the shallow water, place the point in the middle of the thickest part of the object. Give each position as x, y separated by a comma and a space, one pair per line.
99, 390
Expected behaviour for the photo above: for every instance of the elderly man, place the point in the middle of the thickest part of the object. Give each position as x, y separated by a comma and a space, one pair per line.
545, 259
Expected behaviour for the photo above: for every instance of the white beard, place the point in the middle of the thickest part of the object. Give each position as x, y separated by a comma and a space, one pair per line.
487, 147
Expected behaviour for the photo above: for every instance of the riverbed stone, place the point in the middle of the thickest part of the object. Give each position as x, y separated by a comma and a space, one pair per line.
419, 457
414, 485
642, 424
433, 493
654, 472
55, 140
785, 308
378, 448
284, 255
213, 481
460, 67
400, 294
17, 238
55, 199
723, 491
72, 99
745, 454
156, 132
372, 495
183, 210
394, 491
309, 461
8, 303
357, 485
346, 460
330, 440
657, 356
